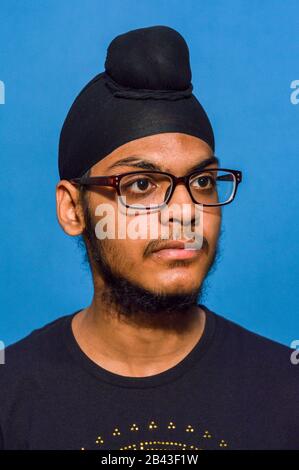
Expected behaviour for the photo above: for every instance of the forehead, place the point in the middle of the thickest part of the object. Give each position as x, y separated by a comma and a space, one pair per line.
170, 151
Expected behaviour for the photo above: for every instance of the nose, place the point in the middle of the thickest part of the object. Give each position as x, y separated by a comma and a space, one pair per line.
180, 194
180, 207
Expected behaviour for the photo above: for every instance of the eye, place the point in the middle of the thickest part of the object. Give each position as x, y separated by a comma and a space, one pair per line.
139, 185
203, 182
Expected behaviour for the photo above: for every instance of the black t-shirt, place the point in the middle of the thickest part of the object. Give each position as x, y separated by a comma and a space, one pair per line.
234, 390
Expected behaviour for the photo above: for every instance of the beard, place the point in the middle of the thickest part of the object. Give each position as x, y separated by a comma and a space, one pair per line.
129, 300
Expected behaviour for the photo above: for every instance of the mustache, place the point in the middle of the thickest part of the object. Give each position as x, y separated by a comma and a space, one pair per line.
159, 244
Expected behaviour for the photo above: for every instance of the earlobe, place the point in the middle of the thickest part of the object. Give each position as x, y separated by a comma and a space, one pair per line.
68, 210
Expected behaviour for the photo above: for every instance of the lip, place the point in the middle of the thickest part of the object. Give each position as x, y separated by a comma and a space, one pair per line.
176, 250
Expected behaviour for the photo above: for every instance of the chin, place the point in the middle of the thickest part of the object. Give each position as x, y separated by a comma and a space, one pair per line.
181, 285
177, 291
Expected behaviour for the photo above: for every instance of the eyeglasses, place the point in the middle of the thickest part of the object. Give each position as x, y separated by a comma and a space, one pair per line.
153, 189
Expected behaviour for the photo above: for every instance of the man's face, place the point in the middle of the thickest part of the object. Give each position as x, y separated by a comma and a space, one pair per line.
165, 273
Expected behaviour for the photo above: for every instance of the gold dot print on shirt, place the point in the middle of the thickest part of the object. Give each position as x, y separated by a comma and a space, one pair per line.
195, 437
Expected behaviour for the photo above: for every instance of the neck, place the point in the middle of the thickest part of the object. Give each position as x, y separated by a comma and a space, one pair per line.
137, 346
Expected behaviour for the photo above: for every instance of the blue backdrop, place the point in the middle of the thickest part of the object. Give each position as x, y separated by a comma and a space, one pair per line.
244, 58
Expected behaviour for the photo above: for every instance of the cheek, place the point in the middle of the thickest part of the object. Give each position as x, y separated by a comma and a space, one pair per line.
126, 255
211, 225
118, 232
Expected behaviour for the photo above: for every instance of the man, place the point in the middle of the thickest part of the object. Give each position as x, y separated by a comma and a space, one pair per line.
145, 365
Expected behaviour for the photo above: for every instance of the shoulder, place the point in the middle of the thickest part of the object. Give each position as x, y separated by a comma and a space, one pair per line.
256, 357
28, 370
249, 340
26, 357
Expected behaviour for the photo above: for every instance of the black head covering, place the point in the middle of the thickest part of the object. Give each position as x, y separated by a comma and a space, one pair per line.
145, 89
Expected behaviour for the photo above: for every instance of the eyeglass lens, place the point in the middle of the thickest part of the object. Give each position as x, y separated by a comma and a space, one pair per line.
151, 189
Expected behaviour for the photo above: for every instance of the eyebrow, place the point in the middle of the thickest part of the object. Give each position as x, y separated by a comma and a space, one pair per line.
137, 161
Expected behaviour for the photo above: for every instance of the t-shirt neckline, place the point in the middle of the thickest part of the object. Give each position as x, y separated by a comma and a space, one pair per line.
174, 372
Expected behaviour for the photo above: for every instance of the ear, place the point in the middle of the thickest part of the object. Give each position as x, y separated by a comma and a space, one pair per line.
69, 211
